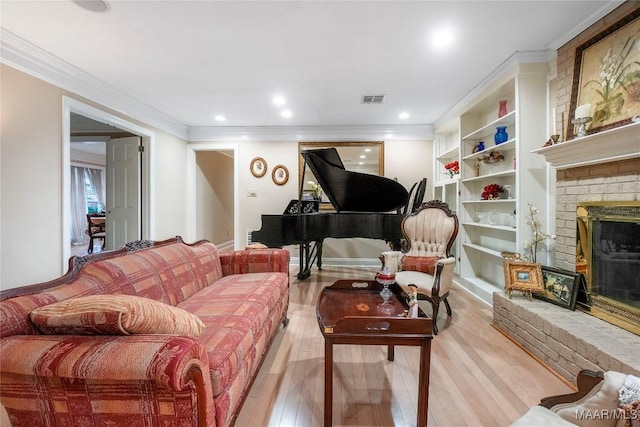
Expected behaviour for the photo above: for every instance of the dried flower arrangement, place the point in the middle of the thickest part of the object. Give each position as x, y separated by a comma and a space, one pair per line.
538, 236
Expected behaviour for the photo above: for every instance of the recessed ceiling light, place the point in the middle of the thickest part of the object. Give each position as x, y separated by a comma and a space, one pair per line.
98, 6
362, 156
220, 118
286, 113
279, 100
388, 135
442, 37
403, 115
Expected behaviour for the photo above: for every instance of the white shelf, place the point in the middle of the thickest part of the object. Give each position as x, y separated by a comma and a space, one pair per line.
490, 226
490, 128
451, 181
509, 145
452, 153
483, 249
490, 201
491, 175
479, 287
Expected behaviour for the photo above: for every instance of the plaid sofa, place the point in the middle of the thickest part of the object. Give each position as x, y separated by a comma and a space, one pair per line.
146, 380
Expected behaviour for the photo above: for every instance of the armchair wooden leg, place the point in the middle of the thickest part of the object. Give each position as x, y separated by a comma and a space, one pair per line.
90, 249
447, 306
436, 306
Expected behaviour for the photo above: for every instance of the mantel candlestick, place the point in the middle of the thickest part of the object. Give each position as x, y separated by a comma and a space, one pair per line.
581, 124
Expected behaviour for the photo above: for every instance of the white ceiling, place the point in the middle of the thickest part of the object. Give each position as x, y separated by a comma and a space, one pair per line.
192, 60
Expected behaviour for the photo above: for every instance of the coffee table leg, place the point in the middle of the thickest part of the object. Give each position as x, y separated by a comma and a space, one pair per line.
423, 383
328, 382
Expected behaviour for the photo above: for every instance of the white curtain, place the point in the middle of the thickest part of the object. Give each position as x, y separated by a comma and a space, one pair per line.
78, 207
97, 182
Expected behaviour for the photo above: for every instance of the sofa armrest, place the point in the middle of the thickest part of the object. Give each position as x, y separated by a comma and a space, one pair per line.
166, 360
170, 365
255, 261
585, 382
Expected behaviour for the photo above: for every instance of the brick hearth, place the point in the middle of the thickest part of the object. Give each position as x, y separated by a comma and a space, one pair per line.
564, 340
568, 341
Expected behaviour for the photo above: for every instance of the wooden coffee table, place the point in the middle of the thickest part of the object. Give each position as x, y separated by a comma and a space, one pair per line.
353, 312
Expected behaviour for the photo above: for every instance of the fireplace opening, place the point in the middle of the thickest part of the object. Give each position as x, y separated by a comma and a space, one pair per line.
608, 254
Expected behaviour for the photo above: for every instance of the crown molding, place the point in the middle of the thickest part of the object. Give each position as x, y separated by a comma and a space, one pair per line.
510, 64
311, 133
30, 59
589, 20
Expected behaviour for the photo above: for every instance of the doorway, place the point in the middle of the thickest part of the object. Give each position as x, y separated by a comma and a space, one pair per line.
212, 198
117, 128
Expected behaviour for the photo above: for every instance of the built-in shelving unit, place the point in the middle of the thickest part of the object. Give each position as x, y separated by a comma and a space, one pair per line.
445, 186
490, 227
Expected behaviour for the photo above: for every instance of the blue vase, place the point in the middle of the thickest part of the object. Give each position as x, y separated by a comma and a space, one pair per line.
501, 135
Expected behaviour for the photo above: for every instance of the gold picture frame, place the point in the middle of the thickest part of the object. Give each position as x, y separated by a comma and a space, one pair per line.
522, 276
280, 174
258, 167
346, 150
606, 76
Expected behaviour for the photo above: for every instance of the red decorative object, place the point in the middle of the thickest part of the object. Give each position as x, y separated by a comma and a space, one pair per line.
453, 168
502, 109
492, 191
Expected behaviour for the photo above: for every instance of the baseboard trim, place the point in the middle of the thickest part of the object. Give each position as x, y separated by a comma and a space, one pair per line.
343, 262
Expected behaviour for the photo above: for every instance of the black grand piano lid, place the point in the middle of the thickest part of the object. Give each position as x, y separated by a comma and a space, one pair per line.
353, 191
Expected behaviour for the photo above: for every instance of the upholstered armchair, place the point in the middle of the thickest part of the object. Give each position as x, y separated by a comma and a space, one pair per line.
425, 260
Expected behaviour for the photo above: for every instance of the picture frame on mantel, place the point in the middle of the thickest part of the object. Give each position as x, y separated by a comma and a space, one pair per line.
606, 77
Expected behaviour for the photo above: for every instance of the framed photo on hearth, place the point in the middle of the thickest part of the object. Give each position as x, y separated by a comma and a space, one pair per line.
522, 276
560, 287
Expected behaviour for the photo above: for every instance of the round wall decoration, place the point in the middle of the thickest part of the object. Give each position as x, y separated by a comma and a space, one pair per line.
258, 167
280, 175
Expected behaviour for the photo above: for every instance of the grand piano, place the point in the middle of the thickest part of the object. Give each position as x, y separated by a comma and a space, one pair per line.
366, 205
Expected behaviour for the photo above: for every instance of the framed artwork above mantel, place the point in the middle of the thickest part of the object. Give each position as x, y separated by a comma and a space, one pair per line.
606, 77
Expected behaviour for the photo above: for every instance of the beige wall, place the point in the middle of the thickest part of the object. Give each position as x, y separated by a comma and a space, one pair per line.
409, 161
214, 196
31, 179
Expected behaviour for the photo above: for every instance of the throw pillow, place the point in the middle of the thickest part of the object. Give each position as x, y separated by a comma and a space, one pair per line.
421, 264
115, 315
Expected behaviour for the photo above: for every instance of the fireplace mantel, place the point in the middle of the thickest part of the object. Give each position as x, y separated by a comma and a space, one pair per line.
607, 146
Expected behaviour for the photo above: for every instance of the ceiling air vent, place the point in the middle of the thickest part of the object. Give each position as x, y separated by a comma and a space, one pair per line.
372, 99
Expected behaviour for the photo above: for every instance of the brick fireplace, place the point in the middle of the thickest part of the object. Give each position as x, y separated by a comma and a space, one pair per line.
600, 167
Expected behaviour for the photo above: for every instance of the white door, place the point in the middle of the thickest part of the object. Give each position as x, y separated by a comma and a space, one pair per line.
123, 222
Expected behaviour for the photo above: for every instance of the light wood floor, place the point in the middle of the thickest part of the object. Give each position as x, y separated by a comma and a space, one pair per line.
478, 376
